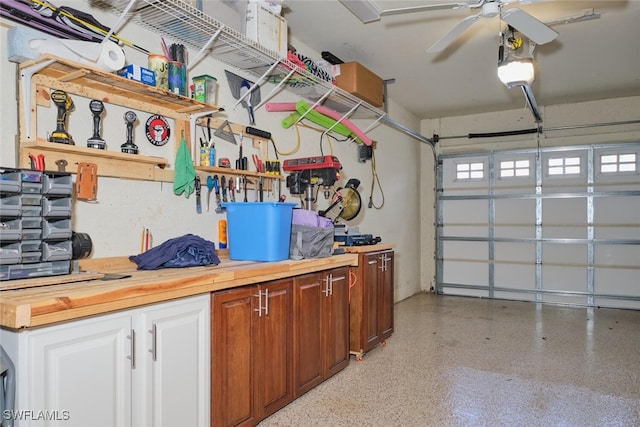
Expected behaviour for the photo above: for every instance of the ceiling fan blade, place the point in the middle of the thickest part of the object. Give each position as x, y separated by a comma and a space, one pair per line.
423, 8
529, 26
455, 32
364, 10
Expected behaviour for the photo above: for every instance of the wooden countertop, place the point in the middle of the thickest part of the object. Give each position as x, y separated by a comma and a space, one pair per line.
50, 303
368, 248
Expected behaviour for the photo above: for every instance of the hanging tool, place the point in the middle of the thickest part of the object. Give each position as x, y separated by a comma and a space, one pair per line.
223, 184
232, 190
64, 103
261, 189
198, 202
216, 186
225, 132
244, 89
62, 165
258, 163
241, 163
210, 188
37, 162
244, 183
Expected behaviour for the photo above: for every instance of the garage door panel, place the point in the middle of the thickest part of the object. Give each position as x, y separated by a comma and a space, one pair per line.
617, 281
466, 250
514, 276
466, 212
618, 255
517, 296
617, 303
561, 278
465, 231
564, 254
514, 252
466, 273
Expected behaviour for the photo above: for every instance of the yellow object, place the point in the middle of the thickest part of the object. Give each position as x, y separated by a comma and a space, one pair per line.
222, 234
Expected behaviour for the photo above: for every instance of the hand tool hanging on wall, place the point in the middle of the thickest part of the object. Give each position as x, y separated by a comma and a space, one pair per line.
64, 103
37, 162
86, 185
239, 87
223, 184
210, 189
198, 187
96, 107
129, 147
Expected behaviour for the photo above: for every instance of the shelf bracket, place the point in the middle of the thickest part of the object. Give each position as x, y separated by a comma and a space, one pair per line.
257, 83
318, 102
204, 48
116, 27
275, 89
26, 75
374, 123
344, 116
193, 118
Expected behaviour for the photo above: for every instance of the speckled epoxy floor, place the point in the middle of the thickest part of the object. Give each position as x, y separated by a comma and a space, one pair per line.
457, 361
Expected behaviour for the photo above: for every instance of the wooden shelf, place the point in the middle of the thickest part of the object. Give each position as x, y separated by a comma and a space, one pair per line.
110, 163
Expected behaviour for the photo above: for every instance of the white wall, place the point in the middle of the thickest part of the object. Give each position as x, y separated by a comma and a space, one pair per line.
125, 206
577, 115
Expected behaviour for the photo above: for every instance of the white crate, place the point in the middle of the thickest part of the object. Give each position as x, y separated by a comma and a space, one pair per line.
266, 28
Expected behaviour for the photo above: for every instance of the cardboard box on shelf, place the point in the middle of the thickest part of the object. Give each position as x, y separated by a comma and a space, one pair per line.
266, 28
356, 79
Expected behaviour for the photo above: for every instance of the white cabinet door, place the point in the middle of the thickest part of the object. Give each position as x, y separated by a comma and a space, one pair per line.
78, 373
171, 380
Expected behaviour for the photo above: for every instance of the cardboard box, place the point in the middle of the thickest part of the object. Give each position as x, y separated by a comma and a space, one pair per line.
266, 28
359, 81
138, 73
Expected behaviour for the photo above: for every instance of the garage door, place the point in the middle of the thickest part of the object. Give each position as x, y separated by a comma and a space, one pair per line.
558, 225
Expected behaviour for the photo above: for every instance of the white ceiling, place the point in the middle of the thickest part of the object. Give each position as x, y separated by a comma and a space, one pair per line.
589, 60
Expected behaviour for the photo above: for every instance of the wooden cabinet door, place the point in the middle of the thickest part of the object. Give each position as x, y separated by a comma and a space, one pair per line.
80, 371
274, 367
371, 300
174, 364
386, 288
308, 339
336, 322
233, 354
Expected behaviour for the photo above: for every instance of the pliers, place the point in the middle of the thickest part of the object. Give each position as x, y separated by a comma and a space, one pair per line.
37, 162
258, 163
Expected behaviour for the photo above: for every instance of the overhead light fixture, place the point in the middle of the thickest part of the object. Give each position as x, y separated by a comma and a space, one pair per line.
516, 72
363, 10
515, 59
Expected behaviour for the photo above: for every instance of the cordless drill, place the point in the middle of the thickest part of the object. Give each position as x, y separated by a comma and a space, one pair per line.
64, 104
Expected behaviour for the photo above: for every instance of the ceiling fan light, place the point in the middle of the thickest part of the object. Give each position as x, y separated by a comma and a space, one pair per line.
516, 72
363, 10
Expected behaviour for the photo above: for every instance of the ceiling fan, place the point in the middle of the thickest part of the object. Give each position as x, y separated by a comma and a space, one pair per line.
517, 18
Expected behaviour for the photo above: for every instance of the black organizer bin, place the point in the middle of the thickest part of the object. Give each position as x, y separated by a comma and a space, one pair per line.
35, 223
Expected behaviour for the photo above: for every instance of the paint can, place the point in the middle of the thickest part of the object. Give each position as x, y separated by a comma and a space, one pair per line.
178, 78
159, 64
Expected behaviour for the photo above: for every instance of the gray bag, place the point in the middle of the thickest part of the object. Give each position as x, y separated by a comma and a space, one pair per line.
310, 242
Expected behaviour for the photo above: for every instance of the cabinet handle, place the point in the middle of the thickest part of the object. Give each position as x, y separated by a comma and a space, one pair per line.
132, 357
382, 265
154, 336
266, 302
372, 262
259, 309
325, 291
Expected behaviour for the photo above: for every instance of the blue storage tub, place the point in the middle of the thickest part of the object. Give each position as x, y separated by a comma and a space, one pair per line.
258, 231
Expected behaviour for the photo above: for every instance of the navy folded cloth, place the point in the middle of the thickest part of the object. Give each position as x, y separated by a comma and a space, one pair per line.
185, 251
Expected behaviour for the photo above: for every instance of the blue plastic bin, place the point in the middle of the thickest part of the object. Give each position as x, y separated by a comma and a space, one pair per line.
258, 231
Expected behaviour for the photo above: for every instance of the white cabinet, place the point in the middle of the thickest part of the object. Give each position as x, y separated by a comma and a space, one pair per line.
143, 367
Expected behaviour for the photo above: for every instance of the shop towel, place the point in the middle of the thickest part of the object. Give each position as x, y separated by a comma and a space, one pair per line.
185, 174
185, 251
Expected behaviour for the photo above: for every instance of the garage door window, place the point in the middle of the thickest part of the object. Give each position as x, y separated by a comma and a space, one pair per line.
613, 163
514, 168
564, 166
469, 171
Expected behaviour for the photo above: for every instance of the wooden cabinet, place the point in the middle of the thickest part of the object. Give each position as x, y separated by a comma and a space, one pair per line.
275, 341
371, 304
252, 352
111, 371
321, 313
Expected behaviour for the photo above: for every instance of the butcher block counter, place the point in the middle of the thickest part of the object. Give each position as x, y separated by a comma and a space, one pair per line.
97, 289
